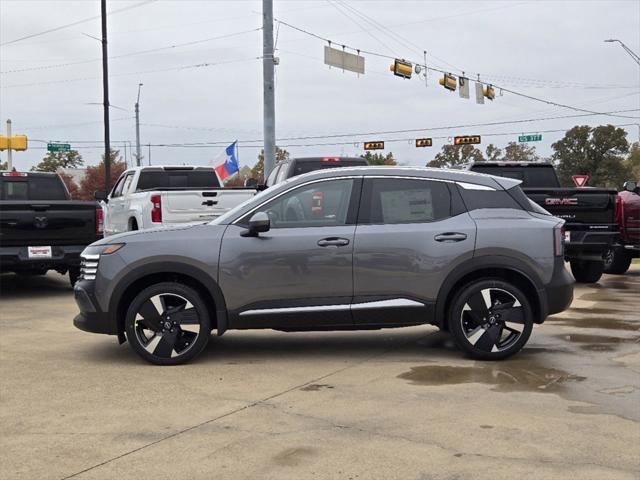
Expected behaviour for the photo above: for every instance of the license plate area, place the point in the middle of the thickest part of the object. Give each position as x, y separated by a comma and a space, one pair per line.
567, 236
39, 252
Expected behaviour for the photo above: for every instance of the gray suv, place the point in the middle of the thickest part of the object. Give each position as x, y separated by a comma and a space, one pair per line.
343, 249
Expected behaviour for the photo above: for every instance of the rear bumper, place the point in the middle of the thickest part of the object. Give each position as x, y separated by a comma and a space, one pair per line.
91, 318
559, 291
589, 245
62, 257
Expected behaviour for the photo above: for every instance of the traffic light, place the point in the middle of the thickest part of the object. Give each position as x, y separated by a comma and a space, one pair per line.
401, 68
15, 142
4, 143
374, 145
424, 142
489, 92
466, 140
449, 82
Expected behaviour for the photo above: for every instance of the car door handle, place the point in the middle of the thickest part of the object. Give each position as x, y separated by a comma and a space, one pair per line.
333, 242
450, 237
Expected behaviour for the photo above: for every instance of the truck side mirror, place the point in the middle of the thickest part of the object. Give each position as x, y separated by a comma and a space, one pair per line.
100, 196
630, 186
259, 222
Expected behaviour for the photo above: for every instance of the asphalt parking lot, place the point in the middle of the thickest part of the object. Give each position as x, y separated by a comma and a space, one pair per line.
359, 405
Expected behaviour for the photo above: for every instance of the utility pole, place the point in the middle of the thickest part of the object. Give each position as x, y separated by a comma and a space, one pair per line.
9, 154
105, 95
138, 154
269, 109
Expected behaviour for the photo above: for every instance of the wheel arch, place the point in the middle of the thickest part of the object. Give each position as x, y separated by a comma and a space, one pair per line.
505, 268
139, 278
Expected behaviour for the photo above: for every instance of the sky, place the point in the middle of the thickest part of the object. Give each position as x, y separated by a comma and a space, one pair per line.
201, 69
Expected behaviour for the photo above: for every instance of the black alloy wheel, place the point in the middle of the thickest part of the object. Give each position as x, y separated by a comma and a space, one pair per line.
168, 324
616, 261
491, 319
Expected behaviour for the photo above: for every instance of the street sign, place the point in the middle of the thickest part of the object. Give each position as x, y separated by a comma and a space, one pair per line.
424, 142
479, 93
466, 140
530, 138
344, 60
464, 87
374, 145
58, 147
580, 180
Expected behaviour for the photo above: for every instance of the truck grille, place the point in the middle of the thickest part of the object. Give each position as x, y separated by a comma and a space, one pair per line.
88, 266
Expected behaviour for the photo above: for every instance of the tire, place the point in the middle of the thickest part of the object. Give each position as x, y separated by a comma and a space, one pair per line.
616, 261
587, 271
490, 332
74, 274
174, 335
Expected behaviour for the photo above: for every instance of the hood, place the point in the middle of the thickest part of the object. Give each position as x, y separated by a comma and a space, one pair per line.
139, 235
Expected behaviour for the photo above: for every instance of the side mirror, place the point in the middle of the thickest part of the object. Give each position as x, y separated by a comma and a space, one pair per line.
260, 222
630, 186
100, 196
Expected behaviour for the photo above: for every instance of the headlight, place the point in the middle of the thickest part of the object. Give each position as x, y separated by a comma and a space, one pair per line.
105, 249
90, 258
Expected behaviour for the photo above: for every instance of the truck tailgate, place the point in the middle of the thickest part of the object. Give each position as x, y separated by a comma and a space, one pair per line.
47, 223
576, 206
195, 205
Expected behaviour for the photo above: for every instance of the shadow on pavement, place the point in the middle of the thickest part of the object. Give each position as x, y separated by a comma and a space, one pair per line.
13, 286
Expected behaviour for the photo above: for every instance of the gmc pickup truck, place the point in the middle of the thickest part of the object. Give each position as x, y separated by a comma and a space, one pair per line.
590, 213
150, 197
41, 228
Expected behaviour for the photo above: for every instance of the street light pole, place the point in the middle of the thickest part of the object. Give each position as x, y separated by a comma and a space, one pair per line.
9, 153
105, 94
138, 154
269, 110
633, 54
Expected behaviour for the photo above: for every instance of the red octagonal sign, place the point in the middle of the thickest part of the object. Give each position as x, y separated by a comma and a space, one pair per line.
580, 180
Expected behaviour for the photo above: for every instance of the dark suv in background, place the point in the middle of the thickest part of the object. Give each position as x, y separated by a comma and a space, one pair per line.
292, 167
346, 249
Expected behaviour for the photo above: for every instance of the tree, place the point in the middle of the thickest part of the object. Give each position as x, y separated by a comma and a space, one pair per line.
72, 186
633, 162
93, 180
454, 155
55, 160
493, 153
239, 179
258, 169
379, 158
598, 152
519, 152
4, 165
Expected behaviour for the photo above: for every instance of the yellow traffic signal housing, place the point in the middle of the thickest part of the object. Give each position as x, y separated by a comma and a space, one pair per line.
401, 68
466, 140
489, 92
19, 142
4, 143
424, 142
449, 82
374, 145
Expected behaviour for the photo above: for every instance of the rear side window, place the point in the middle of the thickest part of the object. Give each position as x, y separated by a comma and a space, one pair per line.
183, 179
478, 199
282, 174
34, 188
525, 202
398, 200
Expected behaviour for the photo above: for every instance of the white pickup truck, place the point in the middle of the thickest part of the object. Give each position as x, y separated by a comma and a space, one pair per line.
149, 197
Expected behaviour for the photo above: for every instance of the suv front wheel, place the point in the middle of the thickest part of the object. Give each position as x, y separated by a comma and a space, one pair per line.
490, 319
168, 323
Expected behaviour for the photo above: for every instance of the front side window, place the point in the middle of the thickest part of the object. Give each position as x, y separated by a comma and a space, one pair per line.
399, 200
127, 183
117, 189
319, 204
282, 174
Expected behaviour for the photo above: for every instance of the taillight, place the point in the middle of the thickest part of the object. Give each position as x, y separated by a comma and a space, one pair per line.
99, 221
331, 159
156, 210
14, 174
558, 241
618, 210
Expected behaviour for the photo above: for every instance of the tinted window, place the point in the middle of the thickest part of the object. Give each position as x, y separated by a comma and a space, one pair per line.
313, 165
319, 204
34, 188
167, 179
396, 200
477, 199
531, 176
15, 191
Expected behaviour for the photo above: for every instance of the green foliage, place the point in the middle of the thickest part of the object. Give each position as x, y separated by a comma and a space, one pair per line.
257, 171
633, 162
4, 165
598, 152
493, 153
52, 161
380, 158
519, 152
455, 155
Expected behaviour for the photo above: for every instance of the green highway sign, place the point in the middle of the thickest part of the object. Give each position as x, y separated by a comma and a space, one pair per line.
58, 147
530, 138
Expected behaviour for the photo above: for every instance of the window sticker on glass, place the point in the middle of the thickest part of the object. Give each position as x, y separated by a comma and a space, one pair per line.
406, 206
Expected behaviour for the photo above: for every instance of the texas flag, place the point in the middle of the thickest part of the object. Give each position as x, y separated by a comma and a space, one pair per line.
226, 165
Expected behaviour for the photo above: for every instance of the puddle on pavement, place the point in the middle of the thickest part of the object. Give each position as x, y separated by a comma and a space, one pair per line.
584, 338
607, 323
504, 377
314, 387
292, 457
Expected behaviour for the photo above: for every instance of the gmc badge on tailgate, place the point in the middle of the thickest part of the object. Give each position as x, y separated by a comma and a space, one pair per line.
561, 201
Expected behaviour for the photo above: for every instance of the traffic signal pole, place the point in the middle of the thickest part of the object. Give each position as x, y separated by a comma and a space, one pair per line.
105, 94
269, 110
9, 155
138, 153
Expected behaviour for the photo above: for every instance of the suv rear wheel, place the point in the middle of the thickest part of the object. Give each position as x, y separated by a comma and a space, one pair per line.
490, 319
587, 271
168, 323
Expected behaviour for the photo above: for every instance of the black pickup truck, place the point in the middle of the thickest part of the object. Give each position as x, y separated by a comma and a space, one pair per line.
590, 213
41, 228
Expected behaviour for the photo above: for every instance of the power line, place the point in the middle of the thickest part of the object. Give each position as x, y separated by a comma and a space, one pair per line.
73, 24
131, 54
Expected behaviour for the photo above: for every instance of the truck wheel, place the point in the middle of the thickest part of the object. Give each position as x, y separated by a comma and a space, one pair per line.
587, 271
168, 323
490, 319
74, 274
616, 261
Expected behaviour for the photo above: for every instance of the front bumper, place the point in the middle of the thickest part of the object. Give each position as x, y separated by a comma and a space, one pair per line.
559, 291
91, 318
